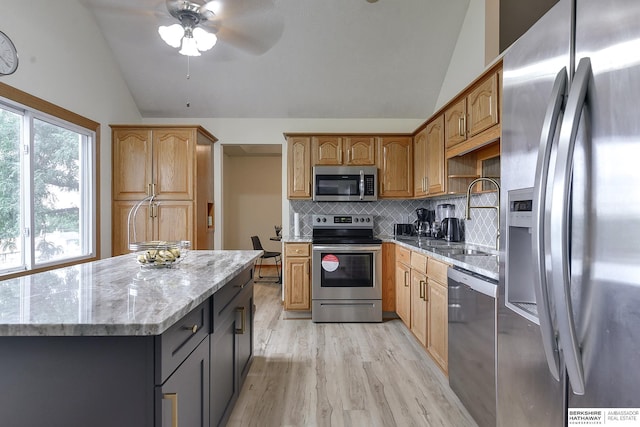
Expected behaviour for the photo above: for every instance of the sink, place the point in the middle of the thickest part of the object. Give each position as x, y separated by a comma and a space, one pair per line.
452, 252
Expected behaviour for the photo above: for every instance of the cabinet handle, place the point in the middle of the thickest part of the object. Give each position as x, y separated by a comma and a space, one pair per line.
406, 282
348, 156
461, 126
422, 290
173, 397
426, 183
193, 328
243, 320
149, 193
340, 156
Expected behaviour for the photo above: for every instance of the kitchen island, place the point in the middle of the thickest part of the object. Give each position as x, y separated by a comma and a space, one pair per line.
110, 343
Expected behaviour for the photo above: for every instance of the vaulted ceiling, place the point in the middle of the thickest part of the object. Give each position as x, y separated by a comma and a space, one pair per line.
289, 58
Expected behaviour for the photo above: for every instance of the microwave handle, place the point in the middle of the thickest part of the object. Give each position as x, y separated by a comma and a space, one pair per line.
361, 184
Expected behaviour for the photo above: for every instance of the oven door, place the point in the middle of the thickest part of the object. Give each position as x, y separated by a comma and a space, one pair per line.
347, 272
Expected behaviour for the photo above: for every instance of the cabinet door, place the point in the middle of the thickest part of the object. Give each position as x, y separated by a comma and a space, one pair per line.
435, 157
120, 219
174, 163
297, 294
173, 221
455, 122
244, 332
403, 293
438, 344
327, 150
299, 168
185, 395
419, 306
131, 164
223, 369
420, 164
483, 105
360, 151
396, 175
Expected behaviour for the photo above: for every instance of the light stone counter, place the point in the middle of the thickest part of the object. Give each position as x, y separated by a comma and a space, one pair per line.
114, 296
484, 265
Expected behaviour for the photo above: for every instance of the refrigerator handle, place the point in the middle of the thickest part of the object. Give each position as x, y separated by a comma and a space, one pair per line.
560, 222
540, 207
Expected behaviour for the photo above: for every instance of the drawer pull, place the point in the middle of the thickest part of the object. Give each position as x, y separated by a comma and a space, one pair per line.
193, 328
173, 397
242, 312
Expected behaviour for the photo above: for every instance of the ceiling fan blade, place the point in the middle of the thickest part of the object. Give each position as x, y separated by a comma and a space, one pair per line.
254, 26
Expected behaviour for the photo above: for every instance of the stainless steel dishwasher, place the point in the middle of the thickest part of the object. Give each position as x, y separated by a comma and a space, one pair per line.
472, 343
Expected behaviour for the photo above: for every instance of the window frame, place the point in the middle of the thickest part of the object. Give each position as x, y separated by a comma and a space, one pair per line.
43, 110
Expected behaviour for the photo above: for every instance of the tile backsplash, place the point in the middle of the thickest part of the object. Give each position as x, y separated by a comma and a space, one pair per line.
480, 230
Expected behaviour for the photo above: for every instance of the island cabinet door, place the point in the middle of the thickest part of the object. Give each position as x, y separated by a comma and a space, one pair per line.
223, 370
183, 399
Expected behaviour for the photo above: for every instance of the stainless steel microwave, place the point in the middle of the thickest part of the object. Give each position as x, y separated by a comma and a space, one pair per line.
345, 183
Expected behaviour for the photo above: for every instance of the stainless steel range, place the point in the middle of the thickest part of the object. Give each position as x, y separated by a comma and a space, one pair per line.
346, 281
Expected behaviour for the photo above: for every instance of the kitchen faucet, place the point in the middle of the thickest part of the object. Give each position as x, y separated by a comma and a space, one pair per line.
497, 207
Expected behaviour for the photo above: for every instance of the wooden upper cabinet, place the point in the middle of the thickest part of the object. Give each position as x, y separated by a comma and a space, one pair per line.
132, 163
455, 121
483, 105
299, 168
173, 162
435, 182
474, 113
420, 164
156, 162
396, 168
360, 150
327, 150
337, 150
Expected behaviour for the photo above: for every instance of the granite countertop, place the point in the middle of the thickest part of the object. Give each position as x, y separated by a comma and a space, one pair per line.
484, 265
114, 296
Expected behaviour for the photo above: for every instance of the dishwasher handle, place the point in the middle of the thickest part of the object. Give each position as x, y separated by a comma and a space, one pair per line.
478, 283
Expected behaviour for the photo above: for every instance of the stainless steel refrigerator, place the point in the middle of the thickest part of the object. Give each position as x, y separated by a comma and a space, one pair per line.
569, 292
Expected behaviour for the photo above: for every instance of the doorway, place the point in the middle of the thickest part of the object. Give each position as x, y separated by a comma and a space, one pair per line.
251, 195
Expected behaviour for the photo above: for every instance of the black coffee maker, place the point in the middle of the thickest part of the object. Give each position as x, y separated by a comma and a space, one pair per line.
424, 221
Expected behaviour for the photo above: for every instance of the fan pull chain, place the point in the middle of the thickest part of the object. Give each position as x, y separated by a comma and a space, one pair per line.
188, 76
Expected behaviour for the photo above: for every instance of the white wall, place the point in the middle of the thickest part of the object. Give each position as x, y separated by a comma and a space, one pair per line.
468, 59
65, 60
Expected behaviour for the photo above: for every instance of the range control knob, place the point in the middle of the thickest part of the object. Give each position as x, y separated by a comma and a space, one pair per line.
368, 219
324, 219
357, 219
318, 219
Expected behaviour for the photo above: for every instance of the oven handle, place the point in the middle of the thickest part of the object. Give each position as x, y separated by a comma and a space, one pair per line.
347, 248
361, 184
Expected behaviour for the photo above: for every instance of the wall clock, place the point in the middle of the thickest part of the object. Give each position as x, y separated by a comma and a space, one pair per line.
8, 55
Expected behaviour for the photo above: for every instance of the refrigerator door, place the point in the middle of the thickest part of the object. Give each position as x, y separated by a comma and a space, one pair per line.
527, 393
606, 299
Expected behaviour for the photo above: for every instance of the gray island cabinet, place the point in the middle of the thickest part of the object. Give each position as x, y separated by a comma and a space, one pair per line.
109, 343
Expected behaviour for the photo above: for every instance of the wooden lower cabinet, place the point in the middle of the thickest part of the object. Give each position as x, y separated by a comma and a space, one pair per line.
438, 344
437, 337
421, 301
403, 285
297, 276
419, 306
388, 277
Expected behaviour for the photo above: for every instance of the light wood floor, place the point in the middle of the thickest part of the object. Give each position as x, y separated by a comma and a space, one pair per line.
340, 374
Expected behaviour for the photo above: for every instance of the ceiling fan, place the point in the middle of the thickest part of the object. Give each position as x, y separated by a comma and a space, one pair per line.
251, 25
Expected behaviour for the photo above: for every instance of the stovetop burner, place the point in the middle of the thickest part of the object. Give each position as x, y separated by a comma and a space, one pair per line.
343, 229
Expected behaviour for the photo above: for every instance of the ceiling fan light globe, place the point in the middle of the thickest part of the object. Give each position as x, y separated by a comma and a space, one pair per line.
204, 40
189, 47
172, 34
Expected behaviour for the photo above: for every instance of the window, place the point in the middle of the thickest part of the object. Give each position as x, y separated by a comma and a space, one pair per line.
48, 193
